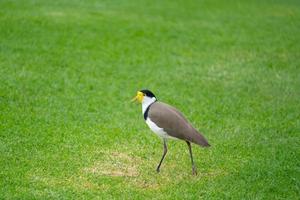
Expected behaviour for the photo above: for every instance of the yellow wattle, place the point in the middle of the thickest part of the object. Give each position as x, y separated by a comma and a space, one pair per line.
140, 96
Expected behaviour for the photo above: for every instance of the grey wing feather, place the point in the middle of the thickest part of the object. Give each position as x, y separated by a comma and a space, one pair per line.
174, 123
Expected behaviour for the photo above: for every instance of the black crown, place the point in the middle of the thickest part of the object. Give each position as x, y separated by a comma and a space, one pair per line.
148, 93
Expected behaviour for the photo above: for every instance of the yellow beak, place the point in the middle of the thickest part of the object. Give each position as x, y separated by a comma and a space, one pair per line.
134, 99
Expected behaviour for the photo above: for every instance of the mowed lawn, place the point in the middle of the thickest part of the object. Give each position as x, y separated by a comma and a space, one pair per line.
68, 70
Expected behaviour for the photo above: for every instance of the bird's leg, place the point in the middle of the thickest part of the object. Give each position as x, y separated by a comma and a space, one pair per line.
193, 165
164, 154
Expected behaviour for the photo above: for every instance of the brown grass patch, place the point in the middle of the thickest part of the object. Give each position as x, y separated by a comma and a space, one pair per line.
115, 164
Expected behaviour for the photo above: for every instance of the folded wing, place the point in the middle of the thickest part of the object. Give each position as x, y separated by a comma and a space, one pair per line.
175, 124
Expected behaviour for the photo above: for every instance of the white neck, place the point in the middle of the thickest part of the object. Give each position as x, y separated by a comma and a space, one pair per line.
147, 101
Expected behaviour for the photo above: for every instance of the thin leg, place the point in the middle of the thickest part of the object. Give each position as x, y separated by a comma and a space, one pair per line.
163, 156
193, 165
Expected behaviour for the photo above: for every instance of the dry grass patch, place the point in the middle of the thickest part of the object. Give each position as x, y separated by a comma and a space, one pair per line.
115, 164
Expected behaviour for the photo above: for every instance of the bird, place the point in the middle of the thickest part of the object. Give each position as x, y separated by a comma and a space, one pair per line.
168, 123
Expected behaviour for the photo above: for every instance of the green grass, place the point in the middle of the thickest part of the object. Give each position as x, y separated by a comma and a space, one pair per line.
68, 70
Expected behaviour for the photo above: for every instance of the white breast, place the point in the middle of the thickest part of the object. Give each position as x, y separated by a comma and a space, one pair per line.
157, 130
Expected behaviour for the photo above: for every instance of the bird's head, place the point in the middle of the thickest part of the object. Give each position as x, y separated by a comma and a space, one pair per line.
144, 96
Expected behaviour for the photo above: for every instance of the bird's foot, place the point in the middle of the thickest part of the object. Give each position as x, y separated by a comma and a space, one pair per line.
157, 170
194, 171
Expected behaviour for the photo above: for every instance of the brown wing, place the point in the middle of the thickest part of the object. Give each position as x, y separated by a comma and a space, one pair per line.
174, 123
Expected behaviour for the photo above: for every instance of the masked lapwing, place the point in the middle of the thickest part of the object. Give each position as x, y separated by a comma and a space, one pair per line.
168, 123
